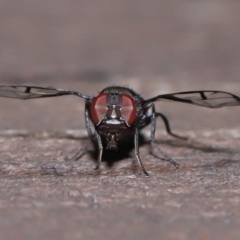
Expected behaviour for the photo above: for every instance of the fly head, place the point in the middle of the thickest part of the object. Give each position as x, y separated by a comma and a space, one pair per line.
113, 109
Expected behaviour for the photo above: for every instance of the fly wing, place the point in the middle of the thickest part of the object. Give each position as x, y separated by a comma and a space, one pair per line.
209, 99
30, 92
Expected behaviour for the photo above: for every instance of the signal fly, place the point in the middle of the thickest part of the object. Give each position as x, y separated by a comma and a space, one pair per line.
119, 111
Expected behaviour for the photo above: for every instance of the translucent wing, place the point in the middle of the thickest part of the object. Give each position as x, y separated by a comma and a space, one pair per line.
210, 99
30, 92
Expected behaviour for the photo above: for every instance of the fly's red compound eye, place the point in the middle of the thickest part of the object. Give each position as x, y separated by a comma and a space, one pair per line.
128, 109
99, 108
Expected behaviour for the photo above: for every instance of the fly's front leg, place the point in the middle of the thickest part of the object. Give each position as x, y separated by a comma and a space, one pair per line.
136, 143
100, 149
152, 139
88, 121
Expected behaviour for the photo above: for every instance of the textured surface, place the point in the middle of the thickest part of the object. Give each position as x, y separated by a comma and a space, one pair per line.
153, 47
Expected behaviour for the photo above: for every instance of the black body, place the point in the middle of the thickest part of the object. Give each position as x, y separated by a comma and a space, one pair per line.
118, 111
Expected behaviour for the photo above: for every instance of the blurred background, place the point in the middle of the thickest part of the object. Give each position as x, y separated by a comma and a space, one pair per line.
151, 46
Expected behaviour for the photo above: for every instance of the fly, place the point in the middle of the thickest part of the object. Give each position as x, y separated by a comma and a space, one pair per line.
119, 111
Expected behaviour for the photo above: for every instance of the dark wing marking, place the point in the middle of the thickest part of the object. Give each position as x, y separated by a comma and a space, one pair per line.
210, 99
30, 92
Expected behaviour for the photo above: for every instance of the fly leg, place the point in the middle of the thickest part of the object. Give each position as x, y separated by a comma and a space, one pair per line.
100, 149
136, 142
166, 157
168, 129
80, 152
152, 136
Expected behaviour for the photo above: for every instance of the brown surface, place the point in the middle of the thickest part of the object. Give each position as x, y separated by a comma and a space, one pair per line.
153, 47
